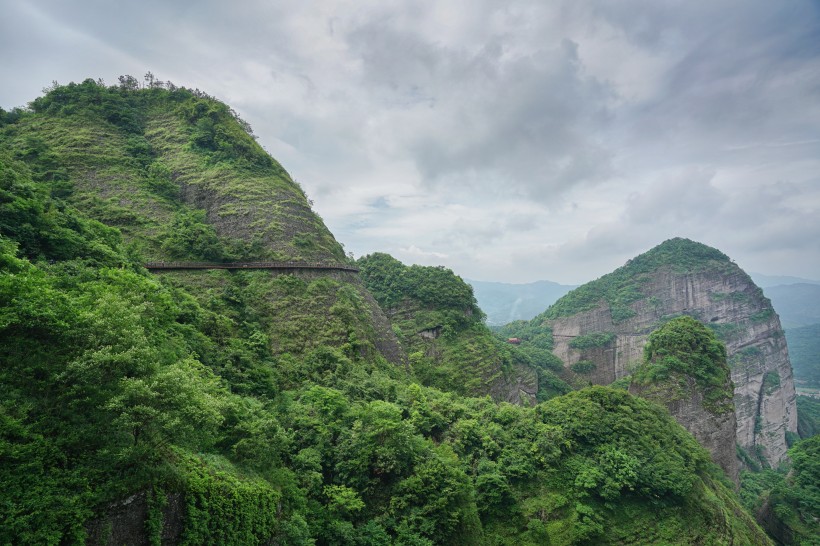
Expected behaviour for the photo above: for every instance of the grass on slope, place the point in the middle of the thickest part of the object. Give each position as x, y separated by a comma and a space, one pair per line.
139, 159
623, 286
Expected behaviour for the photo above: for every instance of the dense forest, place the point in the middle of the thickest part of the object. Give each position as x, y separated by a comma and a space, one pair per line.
253, 407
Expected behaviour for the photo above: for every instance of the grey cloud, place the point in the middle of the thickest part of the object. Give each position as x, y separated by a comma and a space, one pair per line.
657, 119
529, 118
684, 197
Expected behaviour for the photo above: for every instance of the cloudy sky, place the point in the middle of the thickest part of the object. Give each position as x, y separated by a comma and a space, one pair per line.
509, 141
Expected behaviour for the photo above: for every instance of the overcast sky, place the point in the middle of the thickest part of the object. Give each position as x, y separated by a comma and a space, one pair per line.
509, 141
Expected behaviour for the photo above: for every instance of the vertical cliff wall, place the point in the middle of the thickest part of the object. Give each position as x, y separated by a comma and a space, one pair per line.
684, 368
681, 277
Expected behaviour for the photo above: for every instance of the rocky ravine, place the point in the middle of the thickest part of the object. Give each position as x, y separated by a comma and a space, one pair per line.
726, 299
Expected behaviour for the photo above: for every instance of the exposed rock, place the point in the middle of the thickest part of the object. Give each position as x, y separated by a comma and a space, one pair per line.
125, 523
716, 292
520, 386
685, 370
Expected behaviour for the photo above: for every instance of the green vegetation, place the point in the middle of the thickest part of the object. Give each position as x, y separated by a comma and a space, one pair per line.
808, 416
536, 344
771, 382
727, 331
684, 348
439, 324
263, 403
788, 499
746, 358
583, 367
392, 283
127, 156
623, 286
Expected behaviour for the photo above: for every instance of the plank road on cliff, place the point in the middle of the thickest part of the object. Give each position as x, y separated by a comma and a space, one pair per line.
249, 265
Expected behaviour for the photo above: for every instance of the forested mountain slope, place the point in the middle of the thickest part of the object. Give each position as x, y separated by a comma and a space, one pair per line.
440, 325
256, 407
179, 176
599, 331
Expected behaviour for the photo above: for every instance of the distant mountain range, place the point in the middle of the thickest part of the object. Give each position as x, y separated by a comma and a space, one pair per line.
506, 302
766, 281
797, 304
804, 352
796, 300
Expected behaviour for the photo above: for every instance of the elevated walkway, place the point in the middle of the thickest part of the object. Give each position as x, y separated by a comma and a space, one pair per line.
249, 265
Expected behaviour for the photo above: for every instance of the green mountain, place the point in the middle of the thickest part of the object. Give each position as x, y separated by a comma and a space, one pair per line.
441, 328
276, 406
599, 331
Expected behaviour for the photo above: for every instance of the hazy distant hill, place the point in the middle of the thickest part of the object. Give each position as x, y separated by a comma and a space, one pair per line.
797, 304
765, 281
804, 352
505, 302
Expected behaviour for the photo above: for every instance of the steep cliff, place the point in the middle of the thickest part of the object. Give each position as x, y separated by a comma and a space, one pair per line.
682, 277
685, 369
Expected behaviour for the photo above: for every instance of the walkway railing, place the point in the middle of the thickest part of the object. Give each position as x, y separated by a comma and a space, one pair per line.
250, 265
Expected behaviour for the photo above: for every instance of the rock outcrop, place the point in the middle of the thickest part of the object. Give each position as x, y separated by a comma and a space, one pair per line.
685, 370
440, 326
681, 277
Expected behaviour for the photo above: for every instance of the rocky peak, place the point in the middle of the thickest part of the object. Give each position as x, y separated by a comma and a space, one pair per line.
682, 277
685, 369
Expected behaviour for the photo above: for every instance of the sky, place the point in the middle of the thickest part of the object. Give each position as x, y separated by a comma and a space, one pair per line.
509, 141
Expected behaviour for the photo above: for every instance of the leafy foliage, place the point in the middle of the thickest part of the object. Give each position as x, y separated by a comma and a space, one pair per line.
684, 346
391, 282
261, 402
808, 416
790, 495
622, 287
583, 367
132, 156
436, 318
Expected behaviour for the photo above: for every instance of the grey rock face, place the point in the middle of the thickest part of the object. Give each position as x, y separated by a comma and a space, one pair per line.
728, 301
716, 431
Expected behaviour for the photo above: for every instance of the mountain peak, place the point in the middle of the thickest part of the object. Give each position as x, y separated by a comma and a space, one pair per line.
680, 253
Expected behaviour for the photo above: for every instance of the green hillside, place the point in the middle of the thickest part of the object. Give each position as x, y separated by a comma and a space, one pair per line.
439, 324
175, 170
787, 500
255, 407
623, 286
